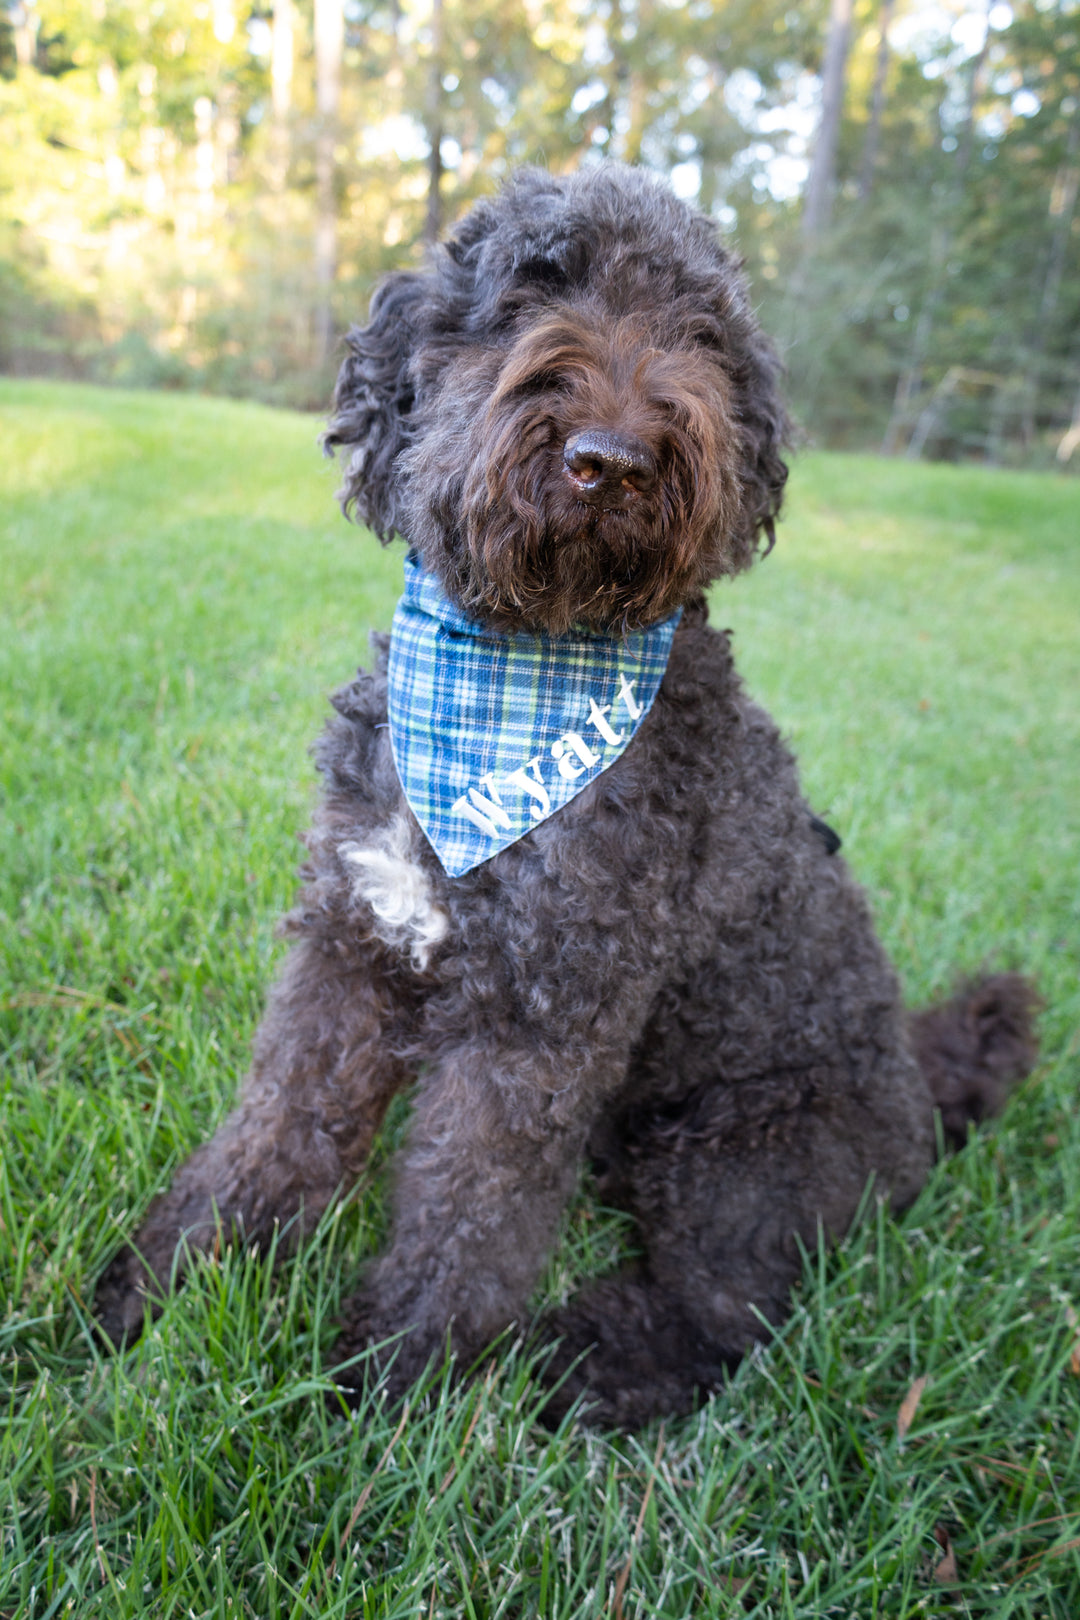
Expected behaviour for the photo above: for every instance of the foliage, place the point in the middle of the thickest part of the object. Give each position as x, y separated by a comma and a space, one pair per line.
962, 259
160, 199
177, 595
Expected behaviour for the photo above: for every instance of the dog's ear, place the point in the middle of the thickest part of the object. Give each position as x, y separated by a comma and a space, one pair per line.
766, 431
373, 399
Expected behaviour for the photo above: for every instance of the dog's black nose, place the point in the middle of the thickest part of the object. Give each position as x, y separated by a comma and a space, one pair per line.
609, 469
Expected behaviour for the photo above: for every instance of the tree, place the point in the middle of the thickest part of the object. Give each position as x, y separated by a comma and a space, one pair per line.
282, 54
877, 102
821, 183
905, 403
433, 118
206, 193
329, 46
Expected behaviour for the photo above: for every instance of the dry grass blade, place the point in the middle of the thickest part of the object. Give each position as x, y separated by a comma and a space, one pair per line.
136, 1053
1022, 1529
945, 1569
460, 1458
1051, 1552
362, 1499
94, 1528
908, 1407
731, 1585
1074, 1322
68, 995
624, 1574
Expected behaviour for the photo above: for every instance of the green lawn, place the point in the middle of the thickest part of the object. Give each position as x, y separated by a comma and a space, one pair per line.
177, 596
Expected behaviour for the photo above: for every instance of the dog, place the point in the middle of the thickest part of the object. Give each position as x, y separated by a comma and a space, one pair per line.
562, 879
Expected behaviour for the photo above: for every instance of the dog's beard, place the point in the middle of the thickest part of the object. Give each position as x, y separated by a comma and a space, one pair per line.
497, 514
541, 554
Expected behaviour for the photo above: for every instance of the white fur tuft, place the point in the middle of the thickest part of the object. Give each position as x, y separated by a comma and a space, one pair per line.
390, 880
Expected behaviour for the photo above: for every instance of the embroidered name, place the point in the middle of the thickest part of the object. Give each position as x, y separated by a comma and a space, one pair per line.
572, 755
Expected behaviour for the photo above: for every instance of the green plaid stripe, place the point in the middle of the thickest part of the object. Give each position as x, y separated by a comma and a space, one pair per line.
493, 732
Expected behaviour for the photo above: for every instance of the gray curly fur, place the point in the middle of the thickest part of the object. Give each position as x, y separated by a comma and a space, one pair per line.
674, 977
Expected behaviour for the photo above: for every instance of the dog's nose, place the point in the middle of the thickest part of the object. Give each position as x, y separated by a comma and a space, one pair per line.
609, 469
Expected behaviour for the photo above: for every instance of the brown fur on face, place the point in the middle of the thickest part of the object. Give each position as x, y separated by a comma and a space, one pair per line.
525, 548
534, 551
596, 306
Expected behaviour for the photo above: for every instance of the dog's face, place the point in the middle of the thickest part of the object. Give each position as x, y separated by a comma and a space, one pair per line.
573, 416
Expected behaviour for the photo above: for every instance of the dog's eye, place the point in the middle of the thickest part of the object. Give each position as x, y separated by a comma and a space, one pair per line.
706, 334
533, 280
541, 382
547, 274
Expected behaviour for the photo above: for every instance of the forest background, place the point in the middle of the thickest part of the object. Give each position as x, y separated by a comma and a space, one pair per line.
202, 193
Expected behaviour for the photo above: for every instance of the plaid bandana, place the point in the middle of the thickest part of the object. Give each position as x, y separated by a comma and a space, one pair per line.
492, 731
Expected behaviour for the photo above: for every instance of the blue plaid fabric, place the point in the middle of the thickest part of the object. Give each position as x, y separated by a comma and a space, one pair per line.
493, 732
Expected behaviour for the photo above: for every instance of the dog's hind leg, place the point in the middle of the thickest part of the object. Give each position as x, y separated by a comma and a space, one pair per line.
726, 1182
322, 1075
725, 1185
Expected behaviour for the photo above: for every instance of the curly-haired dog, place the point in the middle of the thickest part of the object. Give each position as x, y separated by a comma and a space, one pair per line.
663, 968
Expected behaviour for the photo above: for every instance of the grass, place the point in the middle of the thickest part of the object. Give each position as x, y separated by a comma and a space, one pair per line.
177, 596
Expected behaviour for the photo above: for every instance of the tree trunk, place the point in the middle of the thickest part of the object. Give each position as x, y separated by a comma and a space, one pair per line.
281, 82
1070, 439
636, 84
909, 384
25, 25
1062, 211
877, 104
822, 180
329, 49
433, 119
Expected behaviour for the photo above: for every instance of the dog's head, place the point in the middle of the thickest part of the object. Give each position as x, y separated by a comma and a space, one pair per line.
573, 414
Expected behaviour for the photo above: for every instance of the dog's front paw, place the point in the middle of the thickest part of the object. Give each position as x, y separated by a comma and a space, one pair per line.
629, 1352
124, 1294
583, 1372
373, 1349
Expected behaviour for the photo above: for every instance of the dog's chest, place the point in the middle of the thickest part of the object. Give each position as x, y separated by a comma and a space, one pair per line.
636, 840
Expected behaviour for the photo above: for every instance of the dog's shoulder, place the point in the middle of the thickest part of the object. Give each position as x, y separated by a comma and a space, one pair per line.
704, 712
353, 753
701, 668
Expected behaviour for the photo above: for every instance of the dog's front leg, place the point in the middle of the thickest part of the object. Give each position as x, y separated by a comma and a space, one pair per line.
323, 1072
490, 1163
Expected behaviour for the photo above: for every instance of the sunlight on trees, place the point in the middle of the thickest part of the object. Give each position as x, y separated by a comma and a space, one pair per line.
203, 192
